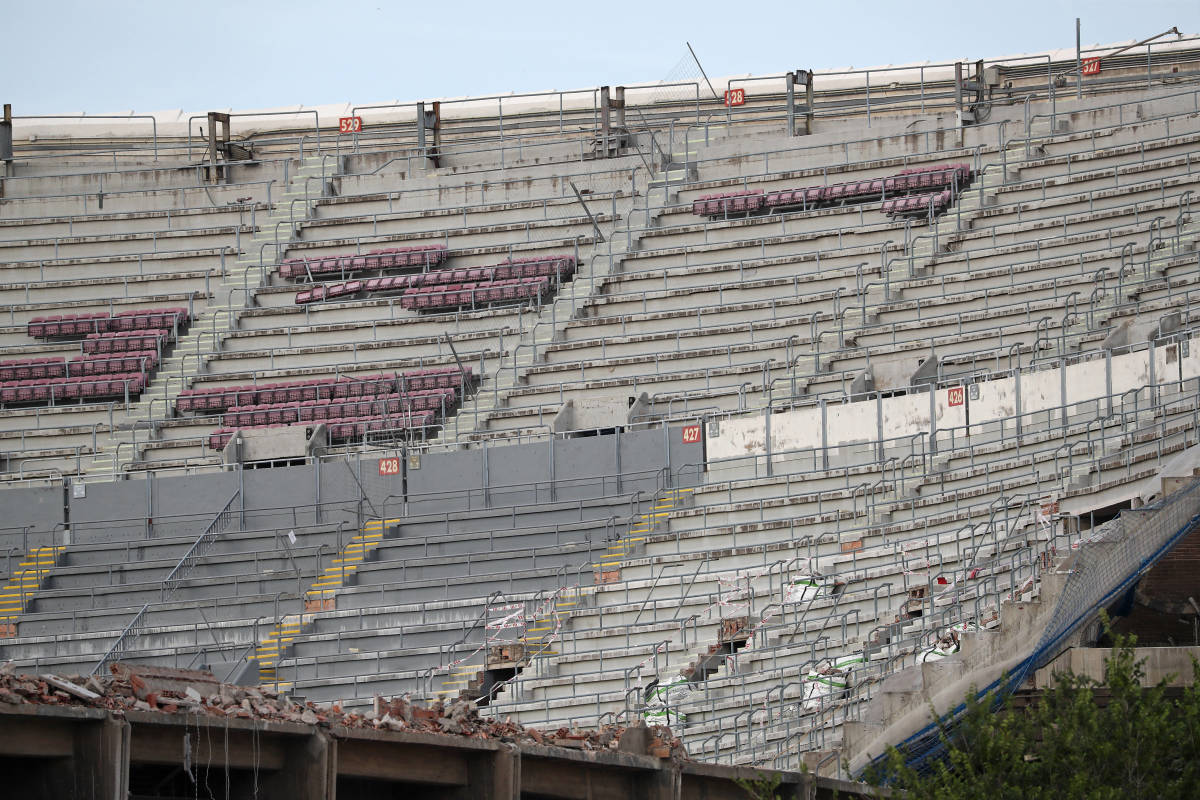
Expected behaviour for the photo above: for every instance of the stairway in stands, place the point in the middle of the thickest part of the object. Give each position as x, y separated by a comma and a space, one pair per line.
546, 626
320, 596
190, 353
500, 658
24, 582
643, 525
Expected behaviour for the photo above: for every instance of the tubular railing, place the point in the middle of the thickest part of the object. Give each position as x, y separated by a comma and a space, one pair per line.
220, 523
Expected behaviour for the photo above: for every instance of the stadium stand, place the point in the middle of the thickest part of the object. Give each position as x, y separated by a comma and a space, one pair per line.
689, 420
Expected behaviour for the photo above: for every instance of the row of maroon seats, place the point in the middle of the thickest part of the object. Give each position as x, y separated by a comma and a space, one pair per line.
322, 410
74, 388
457, 295
345, 430
561, 267
221, 398
915, 179
933, 176
55, 367
23, 369
342, 430
917, 204
53, 327
139, 361
429, 255
135, 342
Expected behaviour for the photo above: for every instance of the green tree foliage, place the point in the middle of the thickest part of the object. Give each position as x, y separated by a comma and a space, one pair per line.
1142, 744
764, 786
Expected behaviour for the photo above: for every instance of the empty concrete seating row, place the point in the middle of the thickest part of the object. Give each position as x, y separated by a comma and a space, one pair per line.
221, 398
918, 204
77, 388
136, 342
914, 180
52, 327
557, 266
343, 430
326, 409
386, 258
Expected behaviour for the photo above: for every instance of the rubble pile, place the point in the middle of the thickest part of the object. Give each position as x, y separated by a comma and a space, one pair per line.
145, 688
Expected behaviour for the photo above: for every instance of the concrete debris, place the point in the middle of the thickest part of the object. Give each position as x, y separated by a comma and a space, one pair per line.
71, 688
138, 688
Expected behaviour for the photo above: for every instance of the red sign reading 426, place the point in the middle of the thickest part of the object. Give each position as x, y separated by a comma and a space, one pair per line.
955, 395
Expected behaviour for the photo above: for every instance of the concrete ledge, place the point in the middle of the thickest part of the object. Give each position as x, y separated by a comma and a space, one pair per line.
87, 752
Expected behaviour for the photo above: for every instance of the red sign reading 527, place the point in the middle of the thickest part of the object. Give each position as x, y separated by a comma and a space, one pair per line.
389, 466
349, 124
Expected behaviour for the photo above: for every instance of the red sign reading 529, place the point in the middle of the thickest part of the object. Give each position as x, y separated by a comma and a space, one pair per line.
349, 124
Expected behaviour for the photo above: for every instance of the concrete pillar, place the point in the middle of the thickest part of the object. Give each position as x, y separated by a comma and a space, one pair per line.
101, 756
505, 779
81, 753
664, 783
6, 145
307, 772
605, 121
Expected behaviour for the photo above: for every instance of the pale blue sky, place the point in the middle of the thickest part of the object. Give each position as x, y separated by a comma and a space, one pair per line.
63, 57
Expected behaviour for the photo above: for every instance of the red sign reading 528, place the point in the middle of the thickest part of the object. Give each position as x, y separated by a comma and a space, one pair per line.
349, 124
735, 97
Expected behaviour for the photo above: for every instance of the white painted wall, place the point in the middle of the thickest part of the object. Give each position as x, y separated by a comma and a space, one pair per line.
1041, 389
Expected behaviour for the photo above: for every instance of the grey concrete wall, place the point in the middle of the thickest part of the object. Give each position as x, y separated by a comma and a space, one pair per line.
553, 470
111, 512
184, 505
30, 516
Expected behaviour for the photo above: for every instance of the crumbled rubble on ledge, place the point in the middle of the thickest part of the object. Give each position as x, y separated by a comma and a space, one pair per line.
133, 687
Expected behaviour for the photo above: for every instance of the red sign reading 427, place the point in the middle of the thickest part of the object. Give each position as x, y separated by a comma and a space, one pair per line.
691, 434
